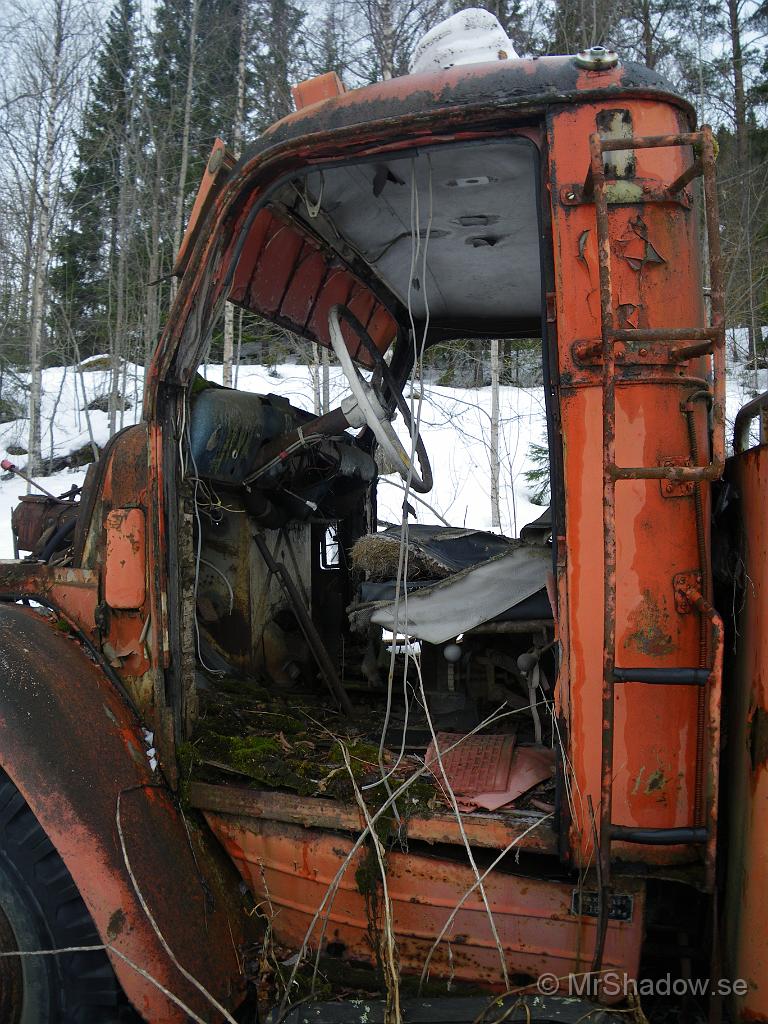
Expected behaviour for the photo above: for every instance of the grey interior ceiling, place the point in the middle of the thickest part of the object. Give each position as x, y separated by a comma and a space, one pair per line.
482, 238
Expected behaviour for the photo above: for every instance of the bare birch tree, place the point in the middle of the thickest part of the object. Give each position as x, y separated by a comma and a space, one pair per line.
181, 193
41, 93
237, 145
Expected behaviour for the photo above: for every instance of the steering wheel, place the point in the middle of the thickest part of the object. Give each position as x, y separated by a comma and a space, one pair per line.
371, 404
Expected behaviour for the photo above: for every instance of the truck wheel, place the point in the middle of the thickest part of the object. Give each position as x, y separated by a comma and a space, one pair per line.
41, 908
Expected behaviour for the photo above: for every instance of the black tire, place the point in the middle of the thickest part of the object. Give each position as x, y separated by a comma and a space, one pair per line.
41, 908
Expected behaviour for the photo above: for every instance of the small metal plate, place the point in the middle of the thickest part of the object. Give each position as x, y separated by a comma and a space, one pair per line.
676, 488
681, 582
587, 904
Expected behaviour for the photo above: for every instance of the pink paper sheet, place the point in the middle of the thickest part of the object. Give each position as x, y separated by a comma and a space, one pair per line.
488, 771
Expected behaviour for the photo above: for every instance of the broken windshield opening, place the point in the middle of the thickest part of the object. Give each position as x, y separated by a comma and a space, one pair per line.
372, 588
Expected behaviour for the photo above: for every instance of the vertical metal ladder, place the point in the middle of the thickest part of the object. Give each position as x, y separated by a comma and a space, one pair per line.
682, 343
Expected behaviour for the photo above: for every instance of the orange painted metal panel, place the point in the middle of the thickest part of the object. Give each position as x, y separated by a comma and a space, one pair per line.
314, 90
290, 868
125, 558
277, 260
746, 902
522, 829
250, 254
304, 285
658, 730
336, 288
382, 328
282, 272
363, 304
220, 162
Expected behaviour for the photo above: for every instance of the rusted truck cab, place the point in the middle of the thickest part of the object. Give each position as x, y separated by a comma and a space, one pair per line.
228, 566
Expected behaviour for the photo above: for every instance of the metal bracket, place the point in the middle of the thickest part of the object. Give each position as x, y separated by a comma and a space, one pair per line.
626, 193
644, 353
682, 582
676, 488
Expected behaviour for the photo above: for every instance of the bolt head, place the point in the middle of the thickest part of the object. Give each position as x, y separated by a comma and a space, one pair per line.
597, 58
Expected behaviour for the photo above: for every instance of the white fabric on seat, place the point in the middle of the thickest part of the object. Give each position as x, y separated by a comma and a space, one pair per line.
478, 594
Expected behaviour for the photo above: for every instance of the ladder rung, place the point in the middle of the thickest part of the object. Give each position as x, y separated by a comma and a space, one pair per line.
650, 142
694, 171
662, 676
658, 836
651, 334
681, 473
684, 352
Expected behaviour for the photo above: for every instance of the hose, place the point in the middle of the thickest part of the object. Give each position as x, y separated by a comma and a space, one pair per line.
704, 634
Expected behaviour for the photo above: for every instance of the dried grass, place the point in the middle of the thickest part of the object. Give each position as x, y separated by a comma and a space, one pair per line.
378, 557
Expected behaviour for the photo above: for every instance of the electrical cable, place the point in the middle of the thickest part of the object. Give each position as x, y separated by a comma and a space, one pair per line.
401, 588
198, 551
204, 561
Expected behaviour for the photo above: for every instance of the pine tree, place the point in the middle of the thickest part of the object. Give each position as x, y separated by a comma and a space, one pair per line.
192, 99
575, 25
87, 249
277, 59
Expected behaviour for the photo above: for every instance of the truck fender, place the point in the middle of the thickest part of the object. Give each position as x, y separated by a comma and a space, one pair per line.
76, 752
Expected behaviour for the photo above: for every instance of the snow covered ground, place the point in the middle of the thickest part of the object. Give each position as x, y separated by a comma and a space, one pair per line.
455, 425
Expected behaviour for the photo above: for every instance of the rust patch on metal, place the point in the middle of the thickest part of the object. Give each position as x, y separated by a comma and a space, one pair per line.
758, 746
656, 781
116, 924
650, 623
637, 248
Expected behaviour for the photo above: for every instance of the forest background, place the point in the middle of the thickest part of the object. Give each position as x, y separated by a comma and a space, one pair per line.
108, 114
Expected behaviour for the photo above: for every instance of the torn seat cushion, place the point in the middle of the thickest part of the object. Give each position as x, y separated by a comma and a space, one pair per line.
485, 577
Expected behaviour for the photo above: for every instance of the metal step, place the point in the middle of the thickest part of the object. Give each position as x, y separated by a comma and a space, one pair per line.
662, 676
658, 836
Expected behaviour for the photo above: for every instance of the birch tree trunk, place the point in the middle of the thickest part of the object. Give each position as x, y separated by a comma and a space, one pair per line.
237, 142
387, 40
118, 335
315, 375
30, 218
43, 244
495, 501
742, 149
129, 157
152, 309
119, 354
326, 380
181, 193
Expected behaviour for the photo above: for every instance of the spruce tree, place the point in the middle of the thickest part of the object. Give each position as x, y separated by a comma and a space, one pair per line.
87, 249
277, 59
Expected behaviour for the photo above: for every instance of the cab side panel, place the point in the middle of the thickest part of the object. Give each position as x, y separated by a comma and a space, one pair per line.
746, 899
